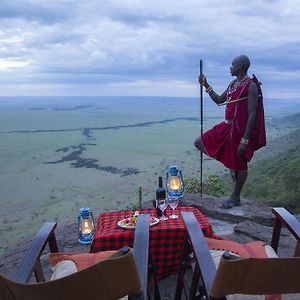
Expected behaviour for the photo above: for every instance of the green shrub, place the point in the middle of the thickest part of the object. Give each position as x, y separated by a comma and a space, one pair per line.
276, 180
211, 186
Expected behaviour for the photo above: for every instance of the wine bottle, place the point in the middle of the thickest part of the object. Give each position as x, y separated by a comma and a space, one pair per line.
160, 194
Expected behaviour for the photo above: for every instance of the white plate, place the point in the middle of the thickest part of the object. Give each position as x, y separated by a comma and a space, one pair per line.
122, 224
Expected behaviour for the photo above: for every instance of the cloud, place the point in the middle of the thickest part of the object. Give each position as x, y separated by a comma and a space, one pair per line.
6, 65
41, 11
129, 46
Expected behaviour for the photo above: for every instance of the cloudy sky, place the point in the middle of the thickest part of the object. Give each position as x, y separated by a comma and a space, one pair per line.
139, 47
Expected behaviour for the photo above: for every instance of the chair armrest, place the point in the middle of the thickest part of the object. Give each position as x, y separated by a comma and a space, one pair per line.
141, 250
31, 260
202, 255
283, 217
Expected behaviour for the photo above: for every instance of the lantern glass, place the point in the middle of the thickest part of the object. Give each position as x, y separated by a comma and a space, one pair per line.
86, 226
175, 183
175, 187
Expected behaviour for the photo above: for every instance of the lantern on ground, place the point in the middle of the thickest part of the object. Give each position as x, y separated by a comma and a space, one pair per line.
175, 187
86, 226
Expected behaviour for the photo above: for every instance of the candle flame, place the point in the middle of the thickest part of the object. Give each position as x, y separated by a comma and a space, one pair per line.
175, 183
86, 228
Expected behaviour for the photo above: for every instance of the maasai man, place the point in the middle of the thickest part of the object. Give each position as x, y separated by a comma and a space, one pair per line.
233, 141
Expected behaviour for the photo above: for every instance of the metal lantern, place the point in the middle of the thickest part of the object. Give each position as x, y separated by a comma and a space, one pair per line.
175, 187
86, 226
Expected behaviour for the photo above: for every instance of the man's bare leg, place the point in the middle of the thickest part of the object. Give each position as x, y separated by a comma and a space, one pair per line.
198, 144
240, 180
235, 198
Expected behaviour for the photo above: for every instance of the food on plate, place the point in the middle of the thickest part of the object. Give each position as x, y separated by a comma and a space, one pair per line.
135, 216
131, 222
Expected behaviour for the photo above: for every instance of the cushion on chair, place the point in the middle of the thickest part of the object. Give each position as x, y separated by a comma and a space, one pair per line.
253, 249
65, 263
63, 269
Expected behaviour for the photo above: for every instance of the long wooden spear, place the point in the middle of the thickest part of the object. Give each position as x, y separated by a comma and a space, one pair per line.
201, 124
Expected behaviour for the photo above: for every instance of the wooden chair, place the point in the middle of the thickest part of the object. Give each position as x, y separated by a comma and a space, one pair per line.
240, 275
124, 273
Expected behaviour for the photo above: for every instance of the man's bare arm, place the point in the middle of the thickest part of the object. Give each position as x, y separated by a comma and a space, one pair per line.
213, 95
252, 105
218, 98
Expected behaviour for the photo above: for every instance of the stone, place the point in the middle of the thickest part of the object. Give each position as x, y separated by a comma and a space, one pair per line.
210, 206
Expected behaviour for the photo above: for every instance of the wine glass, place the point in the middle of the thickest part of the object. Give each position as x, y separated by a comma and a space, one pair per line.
173, 202
162, 205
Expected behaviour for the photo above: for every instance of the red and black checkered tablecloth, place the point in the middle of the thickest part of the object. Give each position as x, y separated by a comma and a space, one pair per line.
166, 237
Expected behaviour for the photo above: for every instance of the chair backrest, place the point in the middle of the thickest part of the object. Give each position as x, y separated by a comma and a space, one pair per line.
236, 275
110, 279
256, 276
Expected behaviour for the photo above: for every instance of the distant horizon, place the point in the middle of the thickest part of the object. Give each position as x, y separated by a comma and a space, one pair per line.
272, 106
206, 98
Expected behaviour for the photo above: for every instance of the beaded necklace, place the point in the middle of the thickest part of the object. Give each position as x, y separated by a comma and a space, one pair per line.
234, 87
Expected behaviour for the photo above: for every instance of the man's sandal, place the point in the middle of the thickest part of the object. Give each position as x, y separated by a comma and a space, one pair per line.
229, 203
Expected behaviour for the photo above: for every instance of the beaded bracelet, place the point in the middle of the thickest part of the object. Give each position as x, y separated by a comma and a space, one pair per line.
244, 141
209, 90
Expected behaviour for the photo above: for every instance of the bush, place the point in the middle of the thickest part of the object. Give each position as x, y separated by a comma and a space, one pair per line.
212, 185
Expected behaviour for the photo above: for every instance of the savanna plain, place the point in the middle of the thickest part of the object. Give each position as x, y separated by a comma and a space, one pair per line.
58, 154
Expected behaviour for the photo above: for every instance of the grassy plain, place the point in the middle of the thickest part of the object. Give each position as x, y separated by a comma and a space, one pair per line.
146, 134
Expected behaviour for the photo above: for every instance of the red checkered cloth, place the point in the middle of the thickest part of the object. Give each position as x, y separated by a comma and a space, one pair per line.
166, 238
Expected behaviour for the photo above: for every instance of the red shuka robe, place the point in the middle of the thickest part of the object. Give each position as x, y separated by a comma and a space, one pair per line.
221, 142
